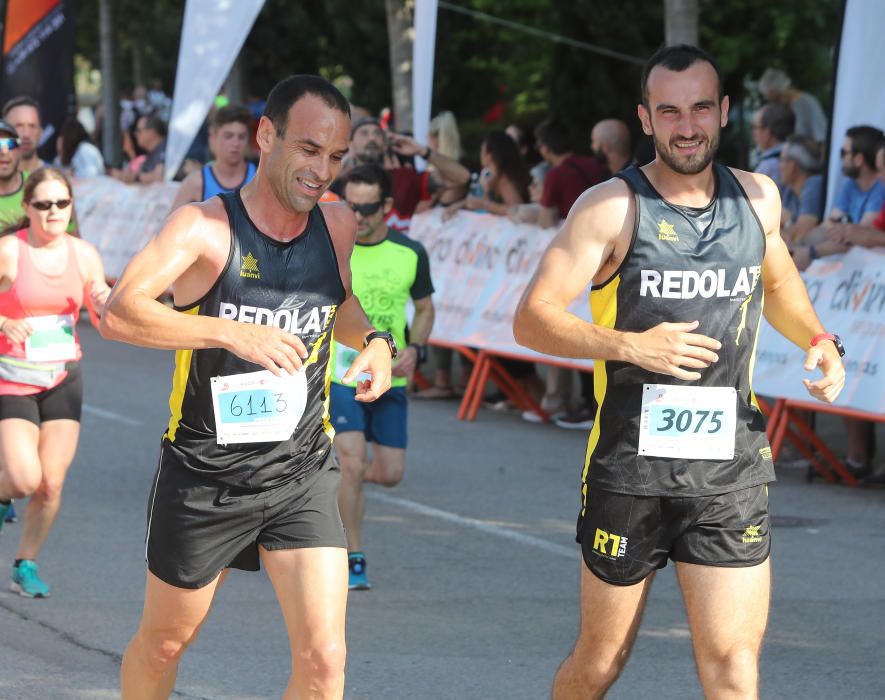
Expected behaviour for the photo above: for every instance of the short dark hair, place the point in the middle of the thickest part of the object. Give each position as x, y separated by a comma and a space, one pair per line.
678, 58
865, 140
369, 175
230, 114
152, 121
553, 134
21, 101
778, 118
289, 90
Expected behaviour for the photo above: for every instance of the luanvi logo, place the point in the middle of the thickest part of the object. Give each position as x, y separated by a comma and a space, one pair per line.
612, 546
249, 268
751, 534
667, 232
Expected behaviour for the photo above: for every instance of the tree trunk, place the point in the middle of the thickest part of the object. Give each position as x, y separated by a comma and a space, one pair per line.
681, 22
111, 144
400, 34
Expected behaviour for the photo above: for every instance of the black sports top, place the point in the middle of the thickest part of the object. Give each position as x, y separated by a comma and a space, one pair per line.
295, 286
678, 271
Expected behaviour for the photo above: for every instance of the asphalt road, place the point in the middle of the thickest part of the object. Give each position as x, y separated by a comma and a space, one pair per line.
473, 562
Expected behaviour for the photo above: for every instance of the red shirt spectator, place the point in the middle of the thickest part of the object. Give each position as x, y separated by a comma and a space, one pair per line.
879, 221
565, 182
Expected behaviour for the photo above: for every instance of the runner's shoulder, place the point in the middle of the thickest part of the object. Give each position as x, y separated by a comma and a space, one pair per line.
764, 196
199, 218
603, 210
401, 239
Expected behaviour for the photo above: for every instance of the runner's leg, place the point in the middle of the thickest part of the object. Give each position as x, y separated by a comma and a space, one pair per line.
170, 622
56, 449
351, 449
311, 586
727, 612
610, 617
388, 464
20, 470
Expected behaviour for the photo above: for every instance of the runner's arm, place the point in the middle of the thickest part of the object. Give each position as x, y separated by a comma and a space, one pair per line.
134, 315
95, 282
419, 332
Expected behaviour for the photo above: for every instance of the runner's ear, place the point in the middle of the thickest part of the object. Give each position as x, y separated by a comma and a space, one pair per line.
388, 205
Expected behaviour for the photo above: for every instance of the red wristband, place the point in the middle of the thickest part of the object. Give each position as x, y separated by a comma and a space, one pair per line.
822, 336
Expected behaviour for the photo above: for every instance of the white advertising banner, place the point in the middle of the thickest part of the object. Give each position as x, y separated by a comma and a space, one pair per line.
481, 265
423, 56
848, 293
120, 219
211, 37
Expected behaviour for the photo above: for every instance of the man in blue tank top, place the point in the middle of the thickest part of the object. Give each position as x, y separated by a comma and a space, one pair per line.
229, 144
260, 277
679, 253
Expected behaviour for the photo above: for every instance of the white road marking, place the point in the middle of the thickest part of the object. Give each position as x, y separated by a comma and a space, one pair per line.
111, 416
572, 553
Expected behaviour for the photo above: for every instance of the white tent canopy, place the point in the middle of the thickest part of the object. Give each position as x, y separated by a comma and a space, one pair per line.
212, 36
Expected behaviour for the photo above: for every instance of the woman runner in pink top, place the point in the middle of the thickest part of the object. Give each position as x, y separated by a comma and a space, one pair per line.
45, 276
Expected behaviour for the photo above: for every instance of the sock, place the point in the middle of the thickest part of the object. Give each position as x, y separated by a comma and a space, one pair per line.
5, 503
17, 562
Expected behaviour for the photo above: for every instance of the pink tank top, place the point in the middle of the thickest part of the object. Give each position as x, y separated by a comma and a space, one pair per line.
36, 294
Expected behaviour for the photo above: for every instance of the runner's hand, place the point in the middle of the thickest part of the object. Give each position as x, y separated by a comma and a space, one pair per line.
98, 294
828, 387
17, 329
406, 362
668, 347
405, 145
268, 346
375, 360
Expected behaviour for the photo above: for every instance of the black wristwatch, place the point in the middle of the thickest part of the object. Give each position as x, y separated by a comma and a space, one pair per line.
381, 334
421, 351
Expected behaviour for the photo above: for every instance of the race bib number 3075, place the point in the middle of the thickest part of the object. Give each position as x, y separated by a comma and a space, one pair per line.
258, 406
688, 422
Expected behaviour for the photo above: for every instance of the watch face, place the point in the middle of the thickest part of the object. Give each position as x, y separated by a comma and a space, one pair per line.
837, 341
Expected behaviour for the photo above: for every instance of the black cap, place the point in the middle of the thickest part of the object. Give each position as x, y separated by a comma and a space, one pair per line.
7, 128
363, 122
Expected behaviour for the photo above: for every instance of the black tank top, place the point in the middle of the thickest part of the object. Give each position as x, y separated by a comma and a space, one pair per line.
295, 286
678, 271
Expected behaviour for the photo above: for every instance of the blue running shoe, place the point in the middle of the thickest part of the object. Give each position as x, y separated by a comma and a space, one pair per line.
11, 516
358, 579
27, 582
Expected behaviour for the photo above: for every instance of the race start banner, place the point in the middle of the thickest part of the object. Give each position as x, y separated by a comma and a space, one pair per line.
848, 293
38, 61
481, 264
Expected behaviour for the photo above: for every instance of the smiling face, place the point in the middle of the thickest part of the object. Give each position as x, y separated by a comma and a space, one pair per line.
51, 222
684, 116
306, 158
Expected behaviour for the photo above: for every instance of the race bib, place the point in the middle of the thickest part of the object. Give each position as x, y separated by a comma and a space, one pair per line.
688, 422
52, 339
258, 406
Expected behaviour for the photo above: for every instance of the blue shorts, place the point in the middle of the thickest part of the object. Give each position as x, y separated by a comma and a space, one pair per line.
383, 422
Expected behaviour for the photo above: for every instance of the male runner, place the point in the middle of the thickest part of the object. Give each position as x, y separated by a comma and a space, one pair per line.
680, 253
23, 113
229, 144
260, 276
388, 269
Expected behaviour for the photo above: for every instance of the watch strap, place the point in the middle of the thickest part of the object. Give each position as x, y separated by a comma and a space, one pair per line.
822, 336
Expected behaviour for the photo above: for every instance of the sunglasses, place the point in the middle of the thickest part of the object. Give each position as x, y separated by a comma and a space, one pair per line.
10, 143
366, 209
843, 152
46, 204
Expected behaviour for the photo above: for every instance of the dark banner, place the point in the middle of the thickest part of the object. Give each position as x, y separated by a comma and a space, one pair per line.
38, 61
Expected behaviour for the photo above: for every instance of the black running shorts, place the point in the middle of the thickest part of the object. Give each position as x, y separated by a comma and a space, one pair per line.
63, 401
625, 538
197, 527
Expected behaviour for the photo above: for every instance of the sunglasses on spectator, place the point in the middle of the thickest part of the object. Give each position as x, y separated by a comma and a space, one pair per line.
46, 204
366, 209
10, 143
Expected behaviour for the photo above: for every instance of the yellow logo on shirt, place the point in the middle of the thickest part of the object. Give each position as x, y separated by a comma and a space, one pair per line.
666, 231
249, 268
751, 534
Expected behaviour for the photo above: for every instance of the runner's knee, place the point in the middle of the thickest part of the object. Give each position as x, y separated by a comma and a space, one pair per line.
24, 482
599, 665
322, 663
163, 647
735, 669
50, 489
